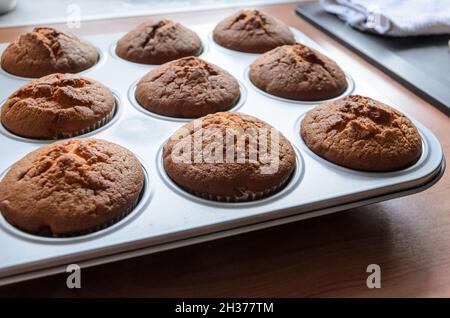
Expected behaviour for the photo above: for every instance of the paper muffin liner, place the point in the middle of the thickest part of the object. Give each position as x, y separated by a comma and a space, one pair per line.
247, 196
93, 127
104, 225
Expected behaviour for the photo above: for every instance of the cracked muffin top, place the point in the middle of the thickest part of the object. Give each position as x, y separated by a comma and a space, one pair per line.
238, 158
157, 42
71, 187
298, 72
45, 51
361, 133
188, 87
57, 105
252, 31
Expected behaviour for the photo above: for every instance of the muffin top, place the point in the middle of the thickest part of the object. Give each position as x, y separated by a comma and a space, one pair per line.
70, 186
252, 31
228, 156
361, 133
157, 42
56, 105
298, 72
45, 51
187, 87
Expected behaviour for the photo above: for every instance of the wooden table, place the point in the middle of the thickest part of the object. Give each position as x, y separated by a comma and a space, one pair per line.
326, 256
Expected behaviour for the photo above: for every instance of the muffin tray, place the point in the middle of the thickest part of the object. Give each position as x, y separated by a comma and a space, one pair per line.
166, 216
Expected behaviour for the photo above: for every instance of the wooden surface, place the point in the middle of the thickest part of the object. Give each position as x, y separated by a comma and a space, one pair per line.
327, 256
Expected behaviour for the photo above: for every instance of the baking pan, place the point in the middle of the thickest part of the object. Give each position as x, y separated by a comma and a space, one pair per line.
166, 216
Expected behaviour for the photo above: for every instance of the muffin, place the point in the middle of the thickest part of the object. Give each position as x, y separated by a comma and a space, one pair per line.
157, 42
57, 106
360, 133
252, 31
188, 87
298, 72
230, 157
45, 51
71, 187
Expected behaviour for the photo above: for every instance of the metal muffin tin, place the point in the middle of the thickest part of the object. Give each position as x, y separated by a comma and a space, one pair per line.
167, 217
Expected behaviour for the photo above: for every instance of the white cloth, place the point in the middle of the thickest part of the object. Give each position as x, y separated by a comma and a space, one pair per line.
393, 17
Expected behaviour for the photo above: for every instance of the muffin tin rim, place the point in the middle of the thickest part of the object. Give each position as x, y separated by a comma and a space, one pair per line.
292, 183
144, 200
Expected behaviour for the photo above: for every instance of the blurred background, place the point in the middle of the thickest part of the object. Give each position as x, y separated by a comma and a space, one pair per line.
32, 12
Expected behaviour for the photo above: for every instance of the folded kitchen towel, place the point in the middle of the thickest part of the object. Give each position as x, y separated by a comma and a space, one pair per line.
393, 17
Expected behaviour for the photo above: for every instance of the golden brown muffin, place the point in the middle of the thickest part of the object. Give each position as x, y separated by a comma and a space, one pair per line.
71, 187
45, 51
57, 105
361, 133
234, 165
157, 42
188, 87
252, 31
298, 72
